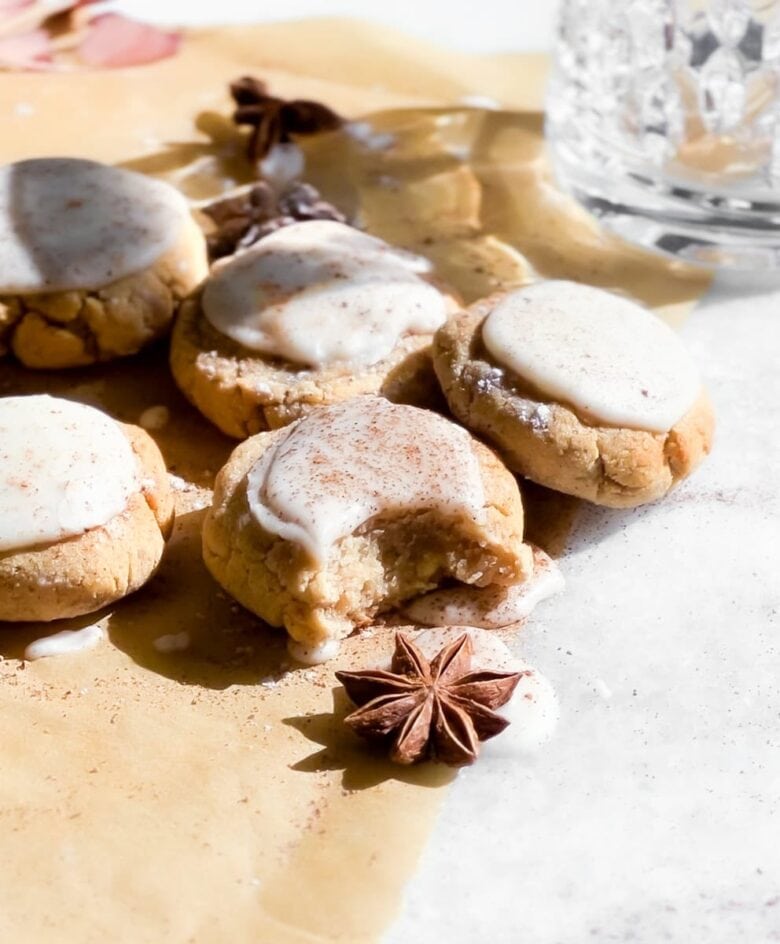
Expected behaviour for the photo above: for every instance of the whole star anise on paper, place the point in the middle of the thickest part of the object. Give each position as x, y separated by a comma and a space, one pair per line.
274, 120
438, 708
241, 220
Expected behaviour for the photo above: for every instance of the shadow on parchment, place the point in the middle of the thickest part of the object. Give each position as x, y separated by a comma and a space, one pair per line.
192, 448
224, 644
363, 765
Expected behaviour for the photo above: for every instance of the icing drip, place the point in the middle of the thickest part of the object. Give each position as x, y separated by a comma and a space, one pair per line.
62, 643
533, 709
319, 293
489, 607
64, 468
73, 224
343, 465
605, 355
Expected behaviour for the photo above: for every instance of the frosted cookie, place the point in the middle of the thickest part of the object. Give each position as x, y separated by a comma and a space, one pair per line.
580, 390
94, 260
85, 508
355, 508
314, 313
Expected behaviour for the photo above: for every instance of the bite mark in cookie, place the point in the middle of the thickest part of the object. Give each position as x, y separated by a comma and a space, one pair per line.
356, 508
493, 607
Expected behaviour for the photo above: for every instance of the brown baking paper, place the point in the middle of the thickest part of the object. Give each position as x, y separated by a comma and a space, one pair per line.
210, 794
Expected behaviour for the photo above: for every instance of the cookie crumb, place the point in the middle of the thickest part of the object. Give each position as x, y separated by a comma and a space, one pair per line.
172, 642
155, 417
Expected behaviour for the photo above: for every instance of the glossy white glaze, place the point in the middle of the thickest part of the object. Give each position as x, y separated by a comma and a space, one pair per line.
67, 223
319, 293
65, 642
611, 359
332, 471
64, 468
489, 607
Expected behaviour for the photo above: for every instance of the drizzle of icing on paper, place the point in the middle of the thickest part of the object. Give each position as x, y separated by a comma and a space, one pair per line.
533, 710
65, 642
489, 607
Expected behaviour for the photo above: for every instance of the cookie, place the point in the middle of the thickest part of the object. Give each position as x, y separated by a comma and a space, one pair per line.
580, 390
85, 508
356, 508
315, 313
94, 261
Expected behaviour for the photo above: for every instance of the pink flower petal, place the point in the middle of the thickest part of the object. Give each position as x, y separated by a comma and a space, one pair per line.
9, 7
31, 50
113, 40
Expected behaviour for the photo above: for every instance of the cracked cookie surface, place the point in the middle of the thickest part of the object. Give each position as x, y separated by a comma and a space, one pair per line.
243, 392
314, 313
80, 327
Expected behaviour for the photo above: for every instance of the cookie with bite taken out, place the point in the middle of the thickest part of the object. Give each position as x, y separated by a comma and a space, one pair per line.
355, 508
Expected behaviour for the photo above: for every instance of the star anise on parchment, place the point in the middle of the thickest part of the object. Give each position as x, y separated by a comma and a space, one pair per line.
424, 709
274, 120
243, 219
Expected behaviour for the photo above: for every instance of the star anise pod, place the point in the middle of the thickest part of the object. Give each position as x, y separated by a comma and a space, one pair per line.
439, 709
244, 219
274, 120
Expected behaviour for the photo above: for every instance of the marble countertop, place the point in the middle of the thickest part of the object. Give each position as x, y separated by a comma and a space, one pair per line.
651, 815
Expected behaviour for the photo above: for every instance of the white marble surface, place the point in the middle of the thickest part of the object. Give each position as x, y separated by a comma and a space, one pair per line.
652, 816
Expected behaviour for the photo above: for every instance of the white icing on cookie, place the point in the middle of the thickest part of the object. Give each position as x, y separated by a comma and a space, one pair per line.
67, 224
64, 468
533, 711
489, 607
319, 293
332, 471
606, 356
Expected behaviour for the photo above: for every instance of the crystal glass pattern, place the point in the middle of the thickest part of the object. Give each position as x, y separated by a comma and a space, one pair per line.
663, 118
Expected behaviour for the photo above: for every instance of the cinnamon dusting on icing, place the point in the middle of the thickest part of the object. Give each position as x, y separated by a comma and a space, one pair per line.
71, 224
320, 293
338, 468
